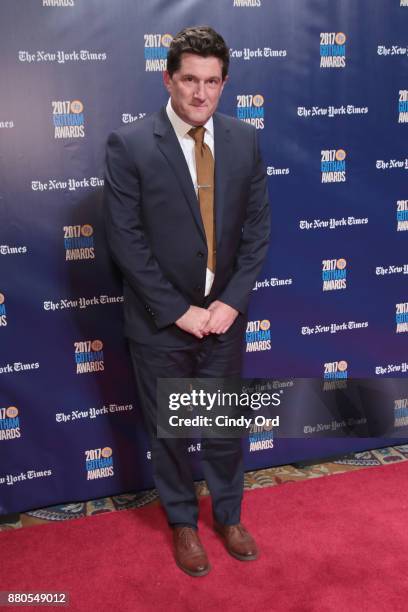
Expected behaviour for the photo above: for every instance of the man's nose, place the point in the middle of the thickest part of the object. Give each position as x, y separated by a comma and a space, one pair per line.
200, 90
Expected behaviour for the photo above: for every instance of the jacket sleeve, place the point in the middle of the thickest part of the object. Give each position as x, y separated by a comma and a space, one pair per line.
128, 241
254, 239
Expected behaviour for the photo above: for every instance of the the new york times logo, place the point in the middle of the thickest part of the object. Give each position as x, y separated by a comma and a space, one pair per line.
130, 118
9, 423
401, 317
12, 479
68, 119
334, 274
3, 313
333, 165
403, 106
6, 249
156, 47
89, 356
335, 375
58, 3
247, 3
251, 110
332, 50
60, 56
402, 215
99, 463
78, 242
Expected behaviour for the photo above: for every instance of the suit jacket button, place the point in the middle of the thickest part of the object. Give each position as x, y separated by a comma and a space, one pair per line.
198, 288
200, 254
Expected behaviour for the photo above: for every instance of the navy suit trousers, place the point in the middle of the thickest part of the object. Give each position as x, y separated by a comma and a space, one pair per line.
221, 459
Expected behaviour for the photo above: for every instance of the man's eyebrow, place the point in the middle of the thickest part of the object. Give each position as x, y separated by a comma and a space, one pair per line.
193, 76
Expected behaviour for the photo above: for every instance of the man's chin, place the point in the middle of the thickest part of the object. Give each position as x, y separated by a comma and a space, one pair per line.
199, 116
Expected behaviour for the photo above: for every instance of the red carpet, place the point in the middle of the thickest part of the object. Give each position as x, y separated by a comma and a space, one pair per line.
338, 543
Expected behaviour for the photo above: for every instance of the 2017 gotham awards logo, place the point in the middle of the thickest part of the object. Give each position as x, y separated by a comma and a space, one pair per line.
9, 423
403, 106
334, 274
250, 108
334, 370
402, 215
68, 119
333, 165
258, 336
260, 437
156, 47
401, 317
404, 3
335, 375
332, 50
78, 242
3, 313
89, 356
99, 463
401, 412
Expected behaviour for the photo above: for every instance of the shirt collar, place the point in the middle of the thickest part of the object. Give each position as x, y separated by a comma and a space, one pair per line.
181, 127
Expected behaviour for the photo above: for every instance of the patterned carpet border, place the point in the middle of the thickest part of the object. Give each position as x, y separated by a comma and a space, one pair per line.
261, 478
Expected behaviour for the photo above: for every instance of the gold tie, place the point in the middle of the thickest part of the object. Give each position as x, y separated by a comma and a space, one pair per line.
205, 183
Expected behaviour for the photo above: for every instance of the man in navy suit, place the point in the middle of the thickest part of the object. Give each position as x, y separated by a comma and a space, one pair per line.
190, 249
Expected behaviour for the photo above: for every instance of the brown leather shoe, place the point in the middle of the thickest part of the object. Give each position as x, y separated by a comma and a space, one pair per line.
189, 552
239, 543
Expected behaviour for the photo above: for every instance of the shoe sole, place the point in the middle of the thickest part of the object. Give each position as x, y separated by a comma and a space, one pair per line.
194, 574
242, 557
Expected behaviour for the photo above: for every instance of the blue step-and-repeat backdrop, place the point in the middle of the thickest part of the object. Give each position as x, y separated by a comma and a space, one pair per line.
326, 86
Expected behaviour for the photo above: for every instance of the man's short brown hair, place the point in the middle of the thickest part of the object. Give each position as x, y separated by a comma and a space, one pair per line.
201, 40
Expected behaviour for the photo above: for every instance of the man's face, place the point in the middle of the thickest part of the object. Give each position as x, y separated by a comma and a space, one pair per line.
195, 88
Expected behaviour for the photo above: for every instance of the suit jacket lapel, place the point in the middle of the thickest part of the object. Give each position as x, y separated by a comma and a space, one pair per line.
170, 147
222, 159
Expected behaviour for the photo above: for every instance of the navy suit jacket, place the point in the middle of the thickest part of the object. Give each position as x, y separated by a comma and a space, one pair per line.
156, 234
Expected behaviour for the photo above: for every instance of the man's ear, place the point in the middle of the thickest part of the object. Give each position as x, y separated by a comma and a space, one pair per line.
224, 82
166, 80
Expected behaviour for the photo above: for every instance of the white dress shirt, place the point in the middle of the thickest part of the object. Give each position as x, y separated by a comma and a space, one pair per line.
187, 145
